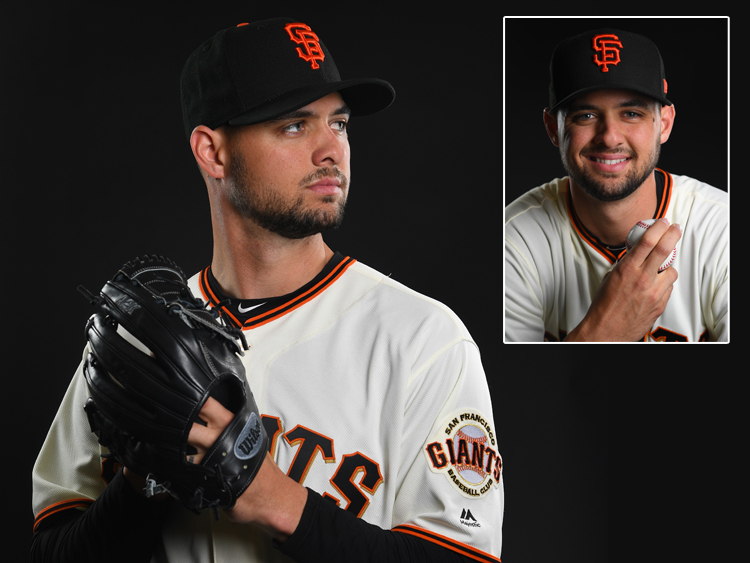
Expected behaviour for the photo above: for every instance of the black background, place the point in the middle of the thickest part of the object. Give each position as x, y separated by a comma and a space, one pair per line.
97, 170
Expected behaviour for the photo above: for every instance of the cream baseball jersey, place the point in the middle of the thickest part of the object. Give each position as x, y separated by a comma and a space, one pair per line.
372, 395
553, 265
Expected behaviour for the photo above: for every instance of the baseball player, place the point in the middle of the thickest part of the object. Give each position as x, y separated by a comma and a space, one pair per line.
568, 276
382, 445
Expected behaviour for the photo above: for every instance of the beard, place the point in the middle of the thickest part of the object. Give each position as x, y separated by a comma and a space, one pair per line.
291, 219
605, 191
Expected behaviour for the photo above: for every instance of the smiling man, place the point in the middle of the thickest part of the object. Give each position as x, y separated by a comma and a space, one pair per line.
382, 444
568, 276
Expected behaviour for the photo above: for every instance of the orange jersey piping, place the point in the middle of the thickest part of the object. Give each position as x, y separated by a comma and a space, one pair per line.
284, 308
453, 545
60, 506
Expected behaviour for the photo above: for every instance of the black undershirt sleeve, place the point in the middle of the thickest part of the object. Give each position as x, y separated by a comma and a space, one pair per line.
120, 526
328, 533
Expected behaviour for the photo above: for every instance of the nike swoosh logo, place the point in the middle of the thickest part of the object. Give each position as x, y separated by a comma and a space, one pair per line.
241, 309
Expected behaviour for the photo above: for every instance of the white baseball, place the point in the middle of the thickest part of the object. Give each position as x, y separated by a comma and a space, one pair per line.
635, 235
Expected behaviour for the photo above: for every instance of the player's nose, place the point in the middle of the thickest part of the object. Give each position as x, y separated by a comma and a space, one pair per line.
330, 147
608, 132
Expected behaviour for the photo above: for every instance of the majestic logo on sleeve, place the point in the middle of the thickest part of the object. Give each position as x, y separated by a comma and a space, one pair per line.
466, 453
608, 46
311, 50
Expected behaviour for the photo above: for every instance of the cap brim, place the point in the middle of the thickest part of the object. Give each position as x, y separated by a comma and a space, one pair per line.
363, 96
570, 97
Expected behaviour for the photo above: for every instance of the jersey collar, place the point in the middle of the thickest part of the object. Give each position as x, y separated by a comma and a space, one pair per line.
614, 253
251, 313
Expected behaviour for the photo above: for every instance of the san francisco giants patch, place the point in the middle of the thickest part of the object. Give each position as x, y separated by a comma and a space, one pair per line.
465, 451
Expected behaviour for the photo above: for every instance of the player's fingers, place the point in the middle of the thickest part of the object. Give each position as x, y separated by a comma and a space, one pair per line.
643, 248
215, 419
202, 437
214, 414
655, 245
664, 246
667, 278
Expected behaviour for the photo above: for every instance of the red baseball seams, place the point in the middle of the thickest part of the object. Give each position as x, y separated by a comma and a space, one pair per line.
634, 236
670, 260
631, 243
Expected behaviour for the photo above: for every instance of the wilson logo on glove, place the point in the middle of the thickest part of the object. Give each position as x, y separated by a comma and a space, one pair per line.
250, 439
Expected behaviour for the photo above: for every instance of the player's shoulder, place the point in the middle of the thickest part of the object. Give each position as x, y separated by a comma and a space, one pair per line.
400, 303
698, 200
537, 219
701, 190
550, 194
545, 204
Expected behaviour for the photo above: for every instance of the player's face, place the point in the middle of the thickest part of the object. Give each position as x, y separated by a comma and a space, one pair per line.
610, 141
291, 175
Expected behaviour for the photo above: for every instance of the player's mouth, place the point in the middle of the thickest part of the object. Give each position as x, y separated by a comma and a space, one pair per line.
326, 182
608, 163
326, 186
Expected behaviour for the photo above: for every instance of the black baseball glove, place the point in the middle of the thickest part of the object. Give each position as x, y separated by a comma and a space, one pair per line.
149, 381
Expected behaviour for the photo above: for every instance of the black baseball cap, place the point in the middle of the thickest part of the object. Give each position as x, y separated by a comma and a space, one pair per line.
259, 71
605, 59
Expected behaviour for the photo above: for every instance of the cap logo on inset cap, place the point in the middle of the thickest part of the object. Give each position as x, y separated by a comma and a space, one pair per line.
609, 46
303, 35
605, 59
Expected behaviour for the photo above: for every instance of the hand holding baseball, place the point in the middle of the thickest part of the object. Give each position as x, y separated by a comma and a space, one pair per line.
634, 293
637, 232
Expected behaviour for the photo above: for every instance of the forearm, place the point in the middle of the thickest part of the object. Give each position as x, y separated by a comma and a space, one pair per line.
328, 533
120, 526
306, 527
586, 331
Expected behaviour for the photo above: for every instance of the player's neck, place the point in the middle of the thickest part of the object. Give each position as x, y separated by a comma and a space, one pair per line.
253, 267
611, 221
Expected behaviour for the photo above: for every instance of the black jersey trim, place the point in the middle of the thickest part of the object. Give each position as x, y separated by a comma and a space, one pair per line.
275, 307
453, 545
664, 184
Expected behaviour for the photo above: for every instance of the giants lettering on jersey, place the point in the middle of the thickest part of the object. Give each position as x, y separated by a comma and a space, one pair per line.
310, 443
465, 452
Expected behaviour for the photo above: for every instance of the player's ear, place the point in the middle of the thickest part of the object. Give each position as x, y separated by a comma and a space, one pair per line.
207, 145
667, 122
550, 124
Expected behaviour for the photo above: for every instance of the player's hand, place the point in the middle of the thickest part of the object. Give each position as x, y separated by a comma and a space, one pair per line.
273, 501
633, 294
202, 436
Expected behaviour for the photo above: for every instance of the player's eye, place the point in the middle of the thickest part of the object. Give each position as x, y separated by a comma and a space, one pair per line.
340, 125
632, 114
581, 117
294, 127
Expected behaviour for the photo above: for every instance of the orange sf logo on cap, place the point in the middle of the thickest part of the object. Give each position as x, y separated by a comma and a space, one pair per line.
310, 50
607, 45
